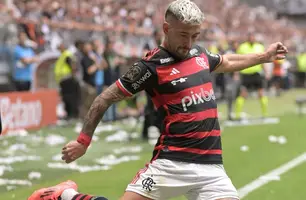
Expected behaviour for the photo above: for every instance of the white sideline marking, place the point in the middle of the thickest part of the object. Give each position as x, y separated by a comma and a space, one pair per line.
244, 191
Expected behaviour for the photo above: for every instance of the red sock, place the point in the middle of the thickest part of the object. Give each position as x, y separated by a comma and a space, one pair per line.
82, 197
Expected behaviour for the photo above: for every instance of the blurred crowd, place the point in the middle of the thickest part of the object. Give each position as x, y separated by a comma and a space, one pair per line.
132, 22
99, 39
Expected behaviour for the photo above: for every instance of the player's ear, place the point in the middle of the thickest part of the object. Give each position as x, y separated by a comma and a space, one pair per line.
166, 27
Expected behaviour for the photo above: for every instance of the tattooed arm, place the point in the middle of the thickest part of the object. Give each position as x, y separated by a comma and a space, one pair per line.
111, 95
138, 78
75, 149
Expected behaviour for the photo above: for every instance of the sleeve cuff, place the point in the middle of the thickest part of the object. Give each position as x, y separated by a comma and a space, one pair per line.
123, 89
221, 61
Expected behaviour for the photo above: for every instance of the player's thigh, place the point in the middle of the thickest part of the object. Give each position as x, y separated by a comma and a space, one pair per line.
214, 187
162, 179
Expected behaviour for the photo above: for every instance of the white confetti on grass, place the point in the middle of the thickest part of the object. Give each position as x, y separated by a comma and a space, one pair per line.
15, 133
100, 128
34, 175
54, 140
76, 167
133, 149
15, 159
244, 148
14, 182
119, 136
4, 168
113, 160
11, 187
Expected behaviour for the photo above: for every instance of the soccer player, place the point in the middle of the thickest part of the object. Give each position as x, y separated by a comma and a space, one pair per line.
187, 159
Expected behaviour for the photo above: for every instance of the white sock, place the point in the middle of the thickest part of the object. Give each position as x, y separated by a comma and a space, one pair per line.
68, 194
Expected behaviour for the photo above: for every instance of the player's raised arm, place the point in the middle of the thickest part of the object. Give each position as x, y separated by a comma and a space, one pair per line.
237, 62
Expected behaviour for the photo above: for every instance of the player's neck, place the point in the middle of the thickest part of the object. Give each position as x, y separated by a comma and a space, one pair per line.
164, 44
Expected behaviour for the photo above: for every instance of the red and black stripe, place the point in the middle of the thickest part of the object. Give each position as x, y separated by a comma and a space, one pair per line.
193, 80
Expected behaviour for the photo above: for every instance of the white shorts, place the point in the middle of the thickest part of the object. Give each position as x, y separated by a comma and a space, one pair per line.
163, 179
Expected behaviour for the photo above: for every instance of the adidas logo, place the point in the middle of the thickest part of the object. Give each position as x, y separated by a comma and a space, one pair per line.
174, 71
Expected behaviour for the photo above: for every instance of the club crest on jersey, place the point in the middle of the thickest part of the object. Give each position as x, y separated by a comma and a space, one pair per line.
201, 62
133, 73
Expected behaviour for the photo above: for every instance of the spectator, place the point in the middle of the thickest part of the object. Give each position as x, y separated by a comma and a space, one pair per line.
99, 75
69, 86
24, 59
79, 44
301, 69
111, 74
89, 65
150, 114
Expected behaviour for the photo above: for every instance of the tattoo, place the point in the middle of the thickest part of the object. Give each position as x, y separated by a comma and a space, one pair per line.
99, 106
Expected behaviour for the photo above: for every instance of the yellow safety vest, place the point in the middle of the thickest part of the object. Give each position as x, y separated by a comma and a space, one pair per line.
301, 62
62, 69
213, 49
246, 48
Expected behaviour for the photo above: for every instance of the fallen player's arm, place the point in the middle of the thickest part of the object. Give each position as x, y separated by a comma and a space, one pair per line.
110, 96
237, 62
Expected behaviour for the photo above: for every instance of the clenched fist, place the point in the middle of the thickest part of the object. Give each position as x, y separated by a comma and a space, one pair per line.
276, 51
72, 151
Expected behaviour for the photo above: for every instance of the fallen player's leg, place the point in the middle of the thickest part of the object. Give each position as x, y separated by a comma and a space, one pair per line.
63, 191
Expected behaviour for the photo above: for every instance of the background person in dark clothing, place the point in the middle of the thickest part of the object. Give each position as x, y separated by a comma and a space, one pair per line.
90, 65
150, 114
65, 68
111, 74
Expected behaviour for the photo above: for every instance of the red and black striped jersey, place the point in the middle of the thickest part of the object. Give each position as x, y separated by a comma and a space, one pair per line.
183, 95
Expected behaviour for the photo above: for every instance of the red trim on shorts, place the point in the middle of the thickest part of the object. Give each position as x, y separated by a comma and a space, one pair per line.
159, 148
141, 171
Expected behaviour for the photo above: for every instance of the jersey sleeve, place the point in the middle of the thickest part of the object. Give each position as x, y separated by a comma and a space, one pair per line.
139, 77
215, 60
